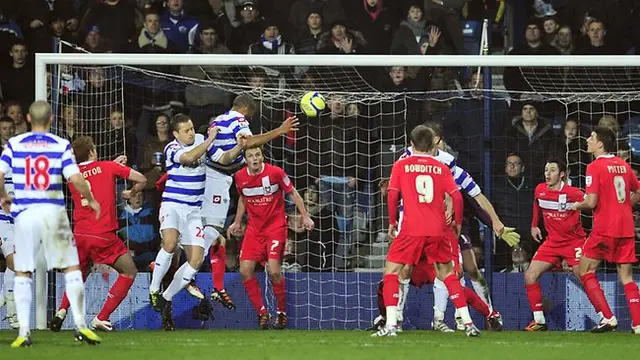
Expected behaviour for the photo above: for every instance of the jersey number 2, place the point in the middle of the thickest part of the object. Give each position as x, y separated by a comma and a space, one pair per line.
424, 187
621, 188
40, 179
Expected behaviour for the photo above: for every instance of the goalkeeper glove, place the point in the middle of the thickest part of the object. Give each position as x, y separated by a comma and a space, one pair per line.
510, 236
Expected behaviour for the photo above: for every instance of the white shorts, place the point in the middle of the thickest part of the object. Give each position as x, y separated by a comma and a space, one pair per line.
187, 220
44, 228
6, 238
215, 205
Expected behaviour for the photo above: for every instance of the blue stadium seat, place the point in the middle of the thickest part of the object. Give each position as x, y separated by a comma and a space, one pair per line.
472, 33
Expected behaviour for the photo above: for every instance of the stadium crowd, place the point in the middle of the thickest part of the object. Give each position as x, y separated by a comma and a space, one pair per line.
341, 190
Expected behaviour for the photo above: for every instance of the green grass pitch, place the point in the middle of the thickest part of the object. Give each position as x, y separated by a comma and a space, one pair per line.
329, 344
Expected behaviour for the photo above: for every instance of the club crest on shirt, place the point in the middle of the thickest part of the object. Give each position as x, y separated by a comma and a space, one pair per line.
588, 180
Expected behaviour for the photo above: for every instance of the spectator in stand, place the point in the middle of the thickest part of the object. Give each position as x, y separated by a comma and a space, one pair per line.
563, 42
533, 45
530, 136
7, 130
573, 148
248, 31
17, 80
307, 40
513, 201
38, 15
331, 10
10, 32
448, 14
205, 102
271, 42
152, 39
93, 41
14, 111
375, 23
341, 40
72, 127
396, 80
612, 123
150, 159
139, 227
115, 136
181, 29
550, 25
598, 44
61, 28
406, 39
116, 19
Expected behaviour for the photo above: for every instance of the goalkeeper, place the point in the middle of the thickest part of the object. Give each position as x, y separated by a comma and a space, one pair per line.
484, 211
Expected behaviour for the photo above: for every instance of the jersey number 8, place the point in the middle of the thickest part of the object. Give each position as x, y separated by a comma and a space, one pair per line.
40, 179
621, 188
424, 187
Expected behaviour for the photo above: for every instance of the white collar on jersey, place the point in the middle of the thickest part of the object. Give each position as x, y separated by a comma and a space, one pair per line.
86, 162
260, 172
605, 156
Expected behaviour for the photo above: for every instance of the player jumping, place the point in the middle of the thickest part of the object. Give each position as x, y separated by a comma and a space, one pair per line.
422, 182
612, 190
565, 234
38, 161
96, 239
262, 187
215, 207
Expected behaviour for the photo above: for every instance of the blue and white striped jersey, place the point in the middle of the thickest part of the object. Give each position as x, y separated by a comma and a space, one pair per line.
185, 183
8, 186
37, 161
231, 124
462, 178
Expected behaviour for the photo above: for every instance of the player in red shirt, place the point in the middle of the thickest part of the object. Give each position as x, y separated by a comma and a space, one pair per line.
96, 239
565, 238
262, 188
612, 190
423, 183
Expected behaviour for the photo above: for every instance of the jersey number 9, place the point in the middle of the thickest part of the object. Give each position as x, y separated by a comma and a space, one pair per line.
424, 187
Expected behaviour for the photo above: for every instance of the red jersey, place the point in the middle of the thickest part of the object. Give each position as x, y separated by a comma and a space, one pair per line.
611, 179
561, 223
264, 196
101, 176
422, 181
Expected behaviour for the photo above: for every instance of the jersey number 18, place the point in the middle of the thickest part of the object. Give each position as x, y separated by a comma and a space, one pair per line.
36, 173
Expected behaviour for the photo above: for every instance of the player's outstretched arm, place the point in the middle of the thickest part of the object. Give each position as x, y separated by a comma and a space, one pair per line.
234, 229
297, 199
83, 188
230, 155
139, 186
589, 203
290, 124
196, 153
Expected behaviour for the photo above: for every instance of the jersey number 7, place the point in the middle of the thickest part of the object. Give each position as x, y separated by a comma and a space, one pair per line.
40, 178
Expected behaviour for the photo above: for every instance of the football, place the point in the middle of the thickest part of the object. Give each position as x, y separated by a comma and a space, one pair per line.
312, 103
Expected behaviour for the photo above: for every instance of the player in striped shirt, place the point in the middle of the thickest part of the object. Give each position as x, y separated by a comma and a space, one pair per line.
6, 246
180, 211
38, 161
483, 211
220, 169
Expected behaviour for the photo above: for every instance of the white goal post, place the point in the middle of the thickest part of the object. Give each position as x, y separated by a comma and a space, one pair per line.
472, 61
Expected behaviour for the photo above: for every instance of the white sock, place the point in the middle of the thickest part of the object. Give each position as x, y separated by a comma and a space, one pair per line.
24, 296
182, 277
483, 292
440, 295
404, 291
464, 314
9, 275
163, 263
538, 317
75, 293
437, 314
392, 316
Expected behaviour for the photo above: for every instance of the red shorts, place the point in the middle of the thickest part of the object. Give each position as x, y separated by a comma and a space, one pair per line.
553, 252
425, 272
406, 249
613, 250
263, 245
99, 249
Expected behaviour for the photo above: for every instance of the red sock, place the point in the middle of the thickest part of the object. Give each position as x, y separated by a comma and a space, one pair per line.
456, 294
633, 299
381, 307
281, 295
255, 295
474, 300
64, 303
218, 256
391, 290
116, 294
596, 295
534, 293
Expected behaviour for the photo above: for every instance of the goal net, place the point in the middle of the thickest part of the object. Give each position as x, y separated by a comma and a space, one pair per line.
339, 160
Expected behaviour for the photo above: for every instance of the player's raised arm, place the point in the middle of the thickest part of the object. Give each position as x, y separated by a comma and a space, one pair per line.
290, 124
139, 186
193, 155
234, 228
230, 155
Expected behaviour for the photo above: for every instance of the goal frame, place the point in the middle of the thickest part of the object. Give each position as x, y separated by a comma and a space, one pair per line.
42, 60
